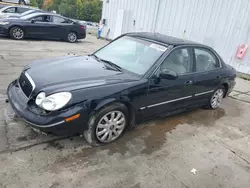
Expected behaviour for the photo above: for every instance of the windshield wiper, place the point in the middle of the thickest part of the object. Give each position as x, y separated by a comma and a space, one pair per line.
97, 58
117, 67
112, 64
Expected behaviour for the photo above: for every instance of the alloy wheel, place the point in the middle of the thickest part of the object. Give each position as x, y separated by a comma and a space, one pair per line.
72, 37
111, 126
18, 33
217, 98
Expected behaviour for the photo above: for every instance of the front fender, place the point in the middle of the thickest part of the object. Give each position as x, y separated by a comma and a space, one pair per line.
103, 103
125, 101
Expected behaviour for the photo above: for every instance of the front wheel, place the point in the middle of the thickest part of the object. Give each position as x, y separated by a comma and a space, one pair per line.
16, 33
107, 125
72, 37
217, 98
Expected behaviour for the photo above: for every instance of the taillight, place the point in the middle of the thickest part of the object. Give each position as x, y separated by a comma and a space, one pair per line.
82, 27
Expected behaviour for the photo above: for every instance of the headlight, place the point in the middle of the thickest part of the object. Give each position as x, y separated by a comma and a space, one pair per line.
53, 102
4, 23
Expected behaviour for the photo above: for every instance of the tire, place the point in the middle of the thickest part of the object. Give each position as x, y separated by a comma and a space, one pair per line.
72, 37
216, 98
17, 33
96, 125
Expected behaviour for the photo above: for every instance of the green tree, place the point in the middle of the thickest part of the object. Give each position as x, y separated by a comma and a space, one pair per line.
33, 3
40, 3
79, 8
88, 10
68, 8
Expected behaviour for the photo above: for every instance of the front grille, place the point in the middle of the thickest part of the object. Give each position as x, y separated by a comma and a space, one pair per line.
25, 85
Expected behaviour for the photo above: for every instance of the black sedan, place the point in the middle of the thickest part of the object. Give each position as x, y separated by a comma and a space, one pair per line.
42, 25
135, 77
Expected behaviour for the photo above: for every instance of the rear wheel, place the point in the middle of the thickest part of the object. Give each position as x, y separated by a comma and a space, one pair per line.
72, 37
16, 33
107, 125
217, 98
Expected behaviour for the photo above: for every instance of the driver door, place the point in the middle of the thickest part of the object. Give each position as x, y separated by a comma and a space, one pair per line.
166, 95
39, 26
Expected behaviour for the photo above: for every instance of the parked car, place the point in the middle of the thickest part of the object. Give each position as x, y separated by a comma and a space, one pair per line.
135, 77
22, 2
13, 10
42, 25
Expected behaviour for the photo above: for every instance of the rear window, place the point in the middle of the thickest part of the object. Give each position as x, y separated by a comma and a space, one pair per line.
57, 19
205, 60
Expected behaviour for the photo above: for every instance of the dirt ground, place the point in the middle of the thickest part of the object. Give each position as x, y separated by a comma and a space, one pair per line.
158, 153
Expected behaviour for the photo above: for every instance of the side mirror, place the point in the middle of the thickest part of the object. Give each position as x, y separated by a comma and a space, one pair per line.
168, 74
33, 21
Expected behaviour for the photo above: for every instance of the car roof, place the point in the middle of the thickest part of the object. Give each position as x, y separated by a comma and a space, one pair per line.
44, 13
21, 6
165, 39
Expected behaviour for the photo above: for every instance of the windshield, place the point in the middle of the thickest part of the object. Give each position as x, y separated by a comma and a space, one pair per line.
132, 54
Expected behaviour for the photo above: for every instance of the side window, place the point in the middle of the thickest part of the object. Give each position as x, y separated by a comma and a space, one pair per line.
205, 60
39, 18
179, 61
58, 20
10, 10
22, 10
42, 18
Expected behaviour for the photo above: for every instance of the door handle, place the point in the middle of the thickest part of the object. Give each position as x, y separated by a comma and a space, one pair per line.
189, 82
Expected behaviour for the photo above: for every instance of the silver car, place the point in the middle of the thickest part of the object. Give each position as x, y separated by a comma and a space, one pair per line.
13, 10
23, 2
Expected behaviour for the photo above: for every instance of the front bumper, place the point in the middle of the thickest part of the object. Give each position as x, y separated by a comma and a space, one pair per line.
52, 123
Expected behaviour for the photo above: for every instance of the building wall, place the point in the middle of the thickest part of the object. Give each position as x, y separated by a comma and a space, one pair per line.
221, 24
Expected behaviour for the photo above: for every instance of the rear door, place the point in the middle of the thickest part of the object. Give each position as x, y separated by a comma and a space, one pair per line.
60, 27
208, 72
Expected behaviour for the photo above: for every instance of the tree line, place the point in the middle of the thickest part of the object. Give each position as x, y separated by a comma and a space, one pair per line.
87, 10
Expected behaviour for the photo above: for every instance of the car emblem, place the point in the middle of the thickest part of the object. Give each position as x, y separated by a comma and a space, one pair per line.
23, 83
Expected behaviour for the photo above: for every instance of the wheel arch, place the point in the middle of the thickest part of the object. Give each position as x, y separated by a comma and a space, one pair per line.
130, 107
226, 86
16, 26
71, 30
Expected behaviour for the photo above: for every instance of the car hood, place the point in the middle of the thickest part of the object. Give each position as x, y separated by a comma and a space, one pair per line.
71, 73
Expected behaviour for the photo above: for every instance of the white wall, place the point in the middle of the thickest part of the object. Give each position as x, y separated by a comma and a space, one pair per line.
221, 24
